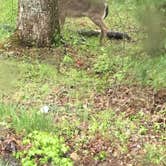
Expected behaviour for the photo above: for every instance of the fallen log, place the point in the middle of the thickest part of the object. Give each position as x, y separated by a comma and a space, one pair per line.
111, 35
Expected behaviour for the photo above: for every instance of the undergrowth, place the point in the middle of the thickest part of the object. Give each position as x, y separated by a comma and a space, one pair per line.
44, 148
68, 84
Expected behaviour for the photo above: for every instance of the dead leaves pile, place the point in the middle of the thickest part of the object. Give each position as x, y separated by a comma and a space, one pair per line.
9, 142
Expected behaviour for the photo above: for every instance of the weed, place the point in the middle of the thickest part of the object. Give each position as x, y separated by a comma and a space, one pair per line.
25, 121
44, 149
101, 156
155, 154
151, 71
143, 130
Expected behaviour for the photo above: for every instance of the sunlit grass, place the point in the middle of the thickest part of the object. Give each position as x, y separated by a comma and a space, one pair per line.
8, 14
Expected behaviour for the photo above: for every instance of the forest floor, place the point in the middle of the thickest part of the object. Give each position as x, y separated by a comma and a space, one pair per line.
108, 103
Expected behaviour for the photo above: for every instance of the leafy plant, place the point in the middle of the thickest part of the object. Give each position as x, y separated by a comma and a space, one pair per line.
143, 130
103, 64
101, 156
44, 148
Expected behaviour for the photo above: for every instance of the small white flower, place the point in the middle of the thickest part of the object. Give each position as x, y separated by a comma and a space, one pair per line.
44, 109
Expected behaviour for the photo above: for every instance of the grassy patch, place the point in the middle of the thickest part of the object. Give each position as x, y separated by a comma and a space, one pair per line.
25, 121
78, 84
7, 18
155, 154
151, 71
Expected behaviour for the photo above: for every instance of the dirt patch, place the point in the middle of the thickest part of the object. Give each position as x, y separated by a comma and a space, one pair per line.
90, 153
131, 99
122, 98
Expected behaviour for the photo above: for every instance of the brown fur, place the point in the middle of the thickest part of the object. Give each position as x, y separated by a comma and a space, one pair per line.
93, 9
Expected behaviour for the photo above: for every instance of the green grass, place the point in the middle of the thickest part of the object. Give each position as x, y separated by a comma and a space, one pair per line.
25, 121
29, 82
8, 10
2, 163
155, 154
151, 71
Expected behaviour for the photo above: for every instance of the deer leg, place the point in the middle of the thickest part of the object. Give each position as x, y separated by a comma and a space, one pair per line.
99, 22
62, 22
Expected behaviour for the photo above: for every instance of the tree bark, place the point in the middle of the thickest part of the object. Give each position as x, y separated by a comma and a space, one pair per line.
37, 22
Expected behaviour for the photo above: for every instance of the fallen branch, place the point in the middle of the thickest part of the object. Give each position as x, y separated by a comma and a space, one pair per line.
110, 34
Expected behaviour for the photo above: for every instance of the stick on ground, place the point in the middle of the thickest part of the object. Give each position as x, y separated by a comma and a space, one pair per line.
110, 34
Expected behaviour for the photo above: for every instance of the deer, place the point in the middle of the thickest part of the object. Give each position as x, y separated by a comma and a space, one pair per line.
95, 10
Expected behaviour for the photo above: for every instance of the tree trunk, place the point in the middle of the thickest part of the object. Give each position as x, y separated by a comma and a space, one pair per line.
37, 22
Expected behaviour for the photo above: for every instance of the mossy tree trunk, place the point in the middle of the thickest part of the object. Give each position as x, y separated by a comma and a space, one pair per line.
37, 22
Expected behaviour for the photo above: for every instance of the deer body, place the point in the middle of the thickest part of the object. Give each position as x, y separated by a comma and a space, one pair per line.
96, 10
